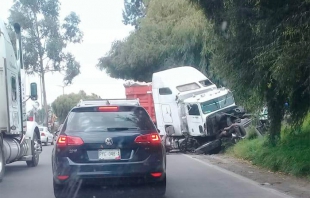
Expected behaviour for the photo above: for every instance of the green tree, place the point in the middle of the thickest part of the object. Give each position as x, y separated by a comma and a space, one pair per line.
133, 11
173, 33
262, 51
45, 39
64, 103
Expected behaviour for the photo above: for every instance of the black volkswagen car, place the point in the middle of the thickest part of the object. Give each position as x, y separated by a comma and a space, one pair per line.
108, 145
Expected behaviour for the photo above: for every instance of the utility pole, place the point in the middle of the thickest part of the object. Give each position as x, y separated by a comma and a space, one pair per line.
42, 116
63, 88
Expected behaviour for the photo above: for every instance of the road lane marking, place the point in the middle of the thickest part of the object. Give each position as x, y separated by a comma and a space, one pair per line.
247, 180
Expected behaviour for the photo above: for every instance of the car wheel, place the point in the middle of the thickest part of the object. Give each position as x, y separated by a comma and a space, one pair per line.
159, 188
46, 143
2, 163
35, 155
59, 190
65, 190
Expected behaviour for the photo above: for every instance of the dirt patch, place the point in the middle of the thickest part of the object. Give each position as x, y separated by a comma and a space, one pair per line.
290, 185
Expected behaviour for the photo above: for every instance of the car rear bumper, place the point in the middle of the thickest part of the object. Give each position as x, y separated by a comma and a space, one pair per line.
43, 138
109, 173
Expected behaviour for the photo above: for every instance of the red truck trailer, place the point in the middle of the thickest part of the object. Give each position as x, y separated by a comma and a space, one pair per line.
143, 92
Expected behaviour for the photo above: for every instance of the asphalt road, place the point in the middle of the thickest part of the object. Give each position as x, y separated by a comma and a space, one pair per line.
187, 178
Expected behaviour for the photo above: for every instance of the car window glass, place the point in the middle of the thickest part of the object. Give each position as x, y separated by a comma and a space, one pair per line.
130, 118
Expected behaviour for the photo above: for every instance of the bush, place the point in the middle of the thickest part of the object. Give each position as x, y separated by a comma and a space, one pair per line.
291, 155
251, 134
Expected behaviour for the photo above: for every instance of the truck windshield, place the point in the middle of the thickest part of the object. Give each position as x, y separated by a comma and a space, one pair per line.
217, 103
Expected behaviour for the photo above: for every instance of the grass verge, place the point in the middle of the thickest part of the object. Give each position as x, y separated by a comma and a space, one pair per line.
291, 155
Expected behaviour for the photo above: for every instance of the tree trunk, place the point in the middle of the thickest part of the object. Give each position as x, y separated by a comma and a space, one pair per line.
45, 122
275, 104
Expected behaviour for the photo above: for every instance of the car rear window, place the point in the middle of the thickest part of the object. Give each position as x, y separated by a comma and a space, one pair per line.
89, 119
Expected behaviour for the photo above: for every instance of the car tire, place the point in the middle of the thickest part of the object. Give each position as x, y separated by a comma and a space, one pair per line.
159, 188
52, 143
46, 143
36, 156
2, 163
59, 190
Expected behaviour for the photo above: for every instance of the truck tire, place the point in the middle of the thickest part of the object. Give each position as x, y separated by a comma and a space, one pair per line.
35, 156
2, 162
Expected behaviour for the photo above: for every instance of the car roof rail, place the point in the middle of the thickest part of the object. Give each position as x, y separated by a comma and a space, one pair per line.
104, 102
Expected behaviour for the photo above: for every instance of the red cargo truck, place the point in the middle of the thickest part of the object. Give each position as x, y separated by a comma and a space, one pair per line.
144, 93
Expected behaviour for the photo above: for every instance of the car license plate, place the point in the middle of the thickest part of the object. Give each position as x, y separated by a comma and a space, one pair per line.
109, 154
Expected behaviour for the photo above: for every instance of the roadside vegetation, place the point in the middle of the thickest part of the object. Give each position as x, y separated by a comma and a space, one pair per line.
291, 155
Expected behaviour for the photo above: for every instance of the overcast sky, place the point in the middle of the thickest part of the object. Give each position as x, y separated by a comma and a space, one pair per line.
101, 22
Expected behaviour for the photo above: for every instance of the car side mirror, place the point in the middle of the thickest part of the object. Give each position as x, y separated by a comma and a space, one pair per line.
33, 91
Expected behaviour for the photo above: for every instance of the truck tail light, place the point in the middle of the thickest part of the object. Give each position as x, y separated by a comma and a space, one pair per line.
64, 141
42, 134
148, 139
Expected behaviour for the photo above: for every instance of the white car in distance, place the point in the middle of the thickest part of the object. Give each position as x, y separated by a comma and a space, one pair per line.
46, 136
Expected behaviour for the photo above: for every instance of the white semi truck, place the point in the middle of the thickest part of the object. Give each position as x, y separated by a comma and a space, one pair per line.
191, 111
19, 139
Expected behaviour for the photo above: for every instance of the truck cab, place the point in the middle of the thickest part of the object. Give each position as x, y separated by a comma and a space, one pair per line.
198, 108
188, 106
169, 92
19, 139
10, 114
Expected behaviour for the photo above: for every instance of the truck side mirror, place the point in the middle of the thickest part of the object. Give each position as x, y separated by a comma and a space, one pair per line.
33, 91
170, 130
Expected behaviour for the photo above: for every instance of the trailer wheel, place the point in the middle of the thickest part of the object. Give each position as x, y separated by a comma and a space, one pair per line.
35, 155
2, 163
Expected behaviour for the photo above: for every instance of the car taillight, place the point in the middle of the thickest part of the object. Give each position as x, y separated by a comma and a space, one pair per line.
108, 109
64, 141
156, 174
149, 138
42, 134
62, 177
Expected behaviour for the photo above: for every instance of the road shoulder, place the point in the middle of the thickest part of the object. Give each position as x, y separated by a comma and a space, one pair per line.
287, 184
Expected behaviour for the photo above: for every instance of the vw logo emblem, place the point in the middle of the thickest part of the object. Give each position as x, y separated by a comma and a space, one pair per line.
108, 141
